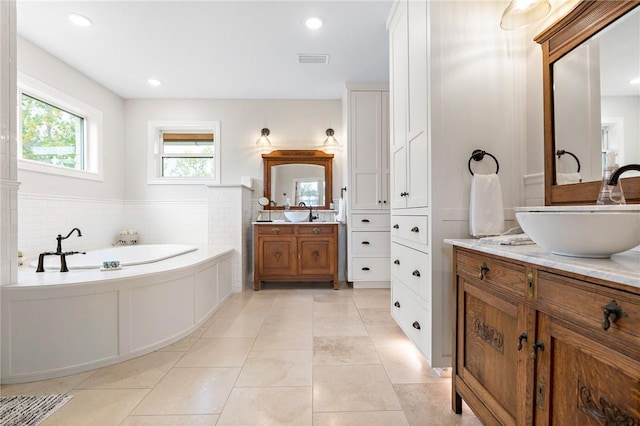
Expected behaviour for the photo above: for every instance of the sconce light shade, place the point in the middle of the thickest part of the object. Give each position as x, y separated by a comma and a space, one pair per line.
330, 141
520, 13
263, 140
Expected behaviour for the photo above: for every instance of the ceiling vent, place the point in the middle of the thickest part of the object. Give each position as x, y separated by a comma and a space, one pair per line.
312, 59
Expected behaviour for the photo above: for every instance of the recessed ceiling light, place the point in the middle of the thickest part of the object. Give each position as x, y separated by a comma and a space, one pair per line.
313, 23
154, 82
635, 81
79, 20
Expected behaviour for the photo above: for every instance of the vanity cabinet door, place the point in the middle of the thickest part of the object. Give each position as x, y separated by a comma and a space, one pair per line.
277, 256
492, 360
316, 256
581, 381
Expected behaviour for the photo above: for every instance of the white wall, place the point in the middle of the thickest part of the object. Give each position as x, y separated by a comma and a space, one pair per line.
294, 124
627, 108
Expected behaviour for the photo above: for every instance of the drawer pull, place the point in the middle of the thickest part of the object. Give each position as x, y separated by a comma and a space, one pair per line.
365, 221
612, 313
397, 304
275, 230
404, 194
521, 337
366, 268
484, 269
396, 262
537, 346
366, 243
415, 229
396, 226
316, 231
416, 325
416, 273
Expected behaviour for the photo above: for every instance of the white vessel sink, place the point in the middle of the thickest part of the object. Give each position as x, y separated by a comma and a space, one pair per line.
582, 231
296, 215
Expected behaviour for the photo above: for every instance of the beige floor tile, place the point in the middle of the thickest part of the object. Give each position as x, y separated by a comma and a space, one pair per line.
197, 420
268, 406
332, 296
139, 373
373, 300
222, 352
189, 391
429, 404
341, 350
243, 326
284, 336
45, 387
181, 345
339, 326
374, 316
276, 368
352, 388
322, 310
405, 364
96, 407
369, 418
388, 334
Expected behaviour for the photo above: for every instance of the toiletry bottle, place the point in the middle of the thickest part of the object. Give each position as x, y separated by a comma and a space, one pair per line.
610, 194
287, 204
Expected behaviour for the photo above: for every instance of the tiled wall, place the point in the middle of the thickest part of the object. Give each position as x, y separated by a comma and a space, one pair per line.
534, 190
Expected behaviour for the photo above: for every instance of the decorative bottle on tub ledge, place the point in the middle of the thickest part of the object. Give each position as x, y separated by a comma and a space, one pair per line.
127, 237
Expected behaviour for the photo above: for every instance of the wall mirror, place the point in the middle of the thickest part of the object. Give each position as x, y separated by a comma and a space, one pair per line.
591, 108
298, 176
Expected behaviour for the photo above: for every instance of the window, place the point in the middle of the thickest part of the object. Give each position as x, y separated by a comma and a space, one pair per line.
184, 152
57, 133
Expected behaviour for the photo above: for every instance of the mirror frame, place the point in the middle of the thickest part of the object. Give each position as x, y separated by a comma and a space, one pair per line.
585, 20
296, 156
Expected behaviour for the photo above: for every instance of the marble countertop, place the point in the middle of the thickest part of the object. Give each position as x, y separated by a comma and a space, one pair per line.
283, 222
623, 268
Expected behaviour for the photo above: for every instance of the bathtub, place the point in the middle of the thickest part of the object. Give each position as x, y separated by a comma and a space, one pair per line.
126, 255
60, 323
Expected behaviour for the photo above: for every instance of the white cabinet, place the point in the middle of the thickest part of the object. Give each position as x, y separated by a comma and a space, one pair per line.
367, 176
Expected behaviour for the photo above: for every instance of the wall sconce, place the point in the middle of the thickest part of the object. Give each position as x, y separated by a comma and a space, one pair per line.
520, 13
330, 141
263, 141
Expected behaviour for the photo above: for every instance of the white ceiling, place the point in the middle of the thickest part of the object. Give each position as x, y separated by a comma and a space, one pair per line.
215, 49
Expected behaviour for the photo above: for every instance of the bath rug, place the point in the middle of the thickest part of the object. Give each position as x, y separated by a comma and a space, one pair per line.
29, 410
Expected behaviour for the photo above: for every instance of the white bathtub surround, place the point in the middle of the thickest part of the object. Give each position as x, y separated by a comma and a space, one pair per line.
230, 212
55, 324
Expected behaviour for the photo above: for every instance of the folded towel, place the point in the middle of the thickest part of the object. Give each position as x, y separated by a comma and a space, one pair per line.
341, 216
564, 178
507, 240
486, 212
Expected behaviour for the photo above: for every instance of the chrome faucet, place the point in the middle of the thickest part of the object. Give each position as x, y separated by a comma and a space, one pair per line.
310, 207
59, 252
611, 190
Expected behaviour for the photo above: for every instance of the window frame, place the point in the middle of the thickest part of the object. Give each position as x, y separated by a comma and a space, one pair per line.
155, 150
93, 123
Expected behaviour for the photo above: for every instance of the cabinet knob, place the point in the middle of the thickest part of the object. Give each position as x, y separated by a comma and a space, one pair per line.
537, 346
397, 304
366, 243
415, 229
484, 269
416, 325
275, 230
379, 201
366, 268
396, 226
612, 313
396, 262
521, 337
316, 231
365, 221
385, 201
416, 273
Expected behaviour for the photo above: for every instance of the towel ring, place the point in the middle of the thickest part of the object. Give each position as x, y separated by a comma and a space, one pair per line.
478, 155
561, 152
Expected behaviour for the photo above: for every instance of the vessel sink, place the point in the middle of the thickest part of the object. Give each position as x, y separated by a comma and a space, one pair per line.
582, 231
296, 215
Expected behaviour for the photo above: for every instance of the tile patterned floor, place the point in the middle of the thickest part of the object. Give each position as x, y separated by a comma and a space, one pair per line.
286, 355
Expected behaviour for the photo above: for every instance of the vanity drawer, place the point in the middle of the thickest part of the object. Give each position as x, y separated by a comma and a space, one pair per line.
313, 229
412, 267
583, 303
363, 242
412, 317
370, 269
274, 229
410, 228
510, 276
369, 221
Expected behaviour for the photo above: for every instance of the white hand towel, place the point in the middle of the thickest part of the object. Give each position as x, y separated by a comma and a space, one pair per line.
341, 215
564, 178
486, 212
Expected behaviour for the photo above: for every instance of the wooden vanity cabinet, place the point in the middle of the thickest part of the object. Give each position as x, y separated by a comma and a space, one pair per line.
291, 252
530, 346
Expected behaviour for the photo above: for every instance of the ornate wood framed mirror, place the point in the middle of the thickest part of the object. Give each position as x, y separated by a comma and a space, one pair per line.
298, 176
573, 50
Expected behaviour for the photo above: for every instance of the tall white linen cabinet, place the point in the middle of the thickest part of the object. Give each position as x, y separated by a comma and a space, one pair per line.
457, 83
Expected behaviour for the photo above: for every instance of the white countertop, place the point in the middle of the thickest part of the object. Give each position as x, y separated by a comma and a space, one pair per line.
623, 268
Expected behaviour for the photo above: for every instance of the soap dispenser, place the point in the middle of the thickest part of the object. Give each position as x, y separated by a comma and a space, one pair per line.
610, 194
287, 204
